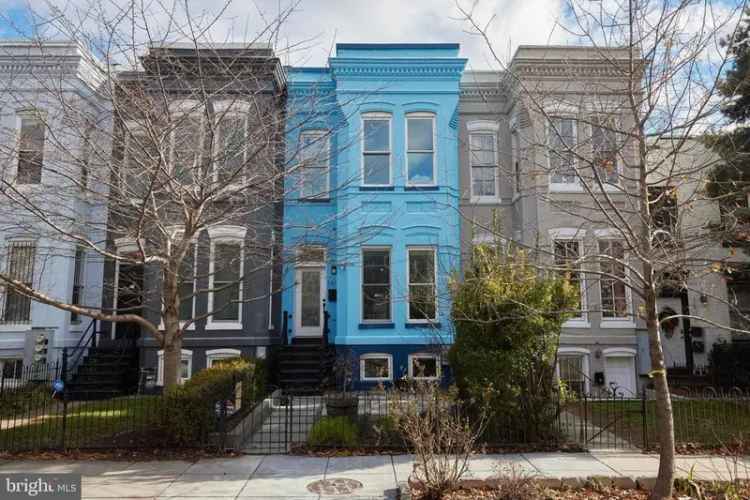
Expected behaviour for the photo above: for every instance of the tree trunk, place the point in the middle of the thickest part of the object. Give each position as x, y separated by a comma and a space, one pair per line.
172, 362
172, 332
664, 421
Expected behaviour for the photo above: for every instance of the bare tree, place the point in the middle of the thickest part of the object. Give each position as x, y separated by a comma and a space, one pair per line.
606, 139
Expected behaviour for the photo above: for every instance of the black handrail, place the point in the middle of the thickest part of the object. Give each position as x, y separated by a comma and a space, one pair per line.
326, 330
85, 342
285, 329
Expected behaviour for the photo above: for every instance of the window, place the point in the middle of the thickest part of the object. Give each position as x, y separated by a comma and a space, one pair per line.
314, 170
78, 271
420, 149
424, 366
422, 303
572, 372
140, 163
186, 366
187, 147
516, 159
376, 284
612, 282
187, 285
663, 201
376, 150
232, 130
20, 266
11, 368
375, 367
561, 134
567, 252
483, 155
219, 356
738, 297
30, 150
604, 146
226, 275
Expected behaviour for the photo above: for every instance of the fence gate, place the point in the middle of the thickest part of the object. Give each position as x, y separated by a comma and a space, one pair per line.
281, 422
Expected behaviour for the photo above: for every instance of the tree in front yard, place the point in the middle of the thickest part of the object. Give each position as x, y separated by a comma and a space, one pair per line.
508, 318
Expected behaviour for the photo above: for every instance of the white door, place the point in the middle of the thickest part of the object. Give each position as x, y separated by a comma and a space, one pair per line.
620, 375
310, 288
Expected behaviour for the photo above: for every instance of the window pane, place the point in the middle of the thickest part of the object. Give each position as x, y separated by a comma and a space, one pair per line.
376, 264
421, 302
421, 168
226, 262
376, 368
566, 254
377, 169
314, 181
30, 151
420, 134
562, 144
184, 369
12, 368
424, 367
230, 160
482, 149
310, 299
376, 135
571, 373
376, 292
421, 266
483, 181
226, 306
187, 149
186, 301
613, 289
604, 147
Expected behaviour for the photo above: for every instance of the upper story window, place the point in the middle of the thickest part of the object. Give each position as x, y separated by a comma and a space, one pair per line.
186, 284
604, 148
376, 149
314, 167
663, 205
187, 147
483, 155
516, 160
30, 149
420, 149
561, 143
141, 160
231, 144
20, 266
79, 267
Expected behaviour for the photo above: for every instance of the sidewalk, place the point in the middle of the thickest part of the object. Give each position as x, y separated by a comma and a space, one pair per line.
281, 476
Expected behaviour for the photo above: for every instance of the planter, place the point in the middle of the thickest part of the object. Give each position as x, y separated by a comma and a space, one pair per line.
342, 405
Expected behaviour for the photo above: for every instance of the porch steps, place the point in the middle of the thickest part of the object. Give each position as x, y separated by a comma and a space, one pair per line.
302, 366
103, 373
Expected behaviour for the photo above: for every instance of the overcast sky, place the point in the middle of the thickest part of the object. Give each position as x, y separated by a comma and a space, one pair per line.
320, 23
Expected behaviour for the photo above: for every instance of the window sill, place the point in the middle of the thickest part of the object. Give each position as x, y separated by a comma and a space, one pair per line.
422, 324
485, 200
422, 188
373, 326
565, 188
314, 200
376, 188
576, 323
616, 323
15, 327
216, 325
362, 379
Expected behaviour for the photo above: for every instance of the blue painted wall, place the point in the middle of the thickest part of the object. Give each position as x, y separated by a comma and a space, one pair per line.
396, 79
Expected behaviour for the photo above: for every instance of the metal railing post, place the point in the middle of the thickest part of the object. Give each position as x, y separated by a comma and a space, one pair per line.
644, 420
64, 378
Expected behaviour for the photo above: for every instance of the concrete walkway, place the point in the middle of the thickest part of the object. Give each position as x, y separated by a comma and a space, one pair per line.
281, 476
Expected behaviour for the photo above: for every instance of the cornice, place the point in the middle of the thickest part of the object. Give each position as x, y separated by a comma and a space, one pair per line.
405, 68
564, 69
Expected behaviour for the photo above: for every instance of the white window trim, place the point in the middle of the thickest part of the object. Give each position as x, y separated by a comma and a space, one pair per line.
610, 234
421, 114
421, 355
326, 194
222, 110
435, 284
562, 187
8, 380
225, 234
490, 200
375, 355
184, 355
362, 285
310, 263
619, 352
214, 355
572, 234
586, 364
377, 116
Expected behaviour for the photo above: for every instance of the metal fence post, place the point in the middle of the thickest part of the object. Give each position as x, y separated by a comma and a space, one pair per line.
644, 419
64, 378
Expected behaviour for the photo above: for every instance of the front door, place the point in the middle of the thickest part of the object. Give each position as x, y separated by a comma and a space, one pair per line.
620, 371
310, 288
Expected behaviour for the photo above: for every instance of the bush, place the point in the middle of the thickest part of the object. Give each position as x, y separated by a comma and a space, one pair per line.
730, 364
508, 319
20, 401
338, 432
191, 409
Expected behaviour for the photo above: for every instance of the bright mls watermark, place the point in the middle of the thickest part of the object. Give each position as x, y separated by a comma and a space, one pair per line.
40, 486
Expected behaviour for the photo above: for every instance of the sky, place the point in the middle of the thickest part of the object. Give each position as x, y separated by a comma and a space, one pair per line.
314, 26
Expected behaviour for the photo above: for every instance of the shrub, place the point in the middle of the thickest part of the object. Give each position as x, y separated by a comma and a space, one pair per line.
508, 319
338, 432
190, 409
19, 401
729, 364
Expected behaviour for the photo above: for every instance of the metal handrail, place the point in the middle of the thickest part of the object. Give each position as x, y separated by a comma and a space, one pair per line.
85, 342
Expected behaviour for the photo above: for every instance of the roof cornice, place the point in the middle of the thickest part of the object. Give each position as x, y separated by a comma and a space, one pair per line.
398, 68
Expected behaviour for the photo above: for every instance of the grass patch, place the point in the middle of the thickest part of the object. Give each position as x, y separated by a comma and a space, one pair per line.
705, 422
334, 432
88, 423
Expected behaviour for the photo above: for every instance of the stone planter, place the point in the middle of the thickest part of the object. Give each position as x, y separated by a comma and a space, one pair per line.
342, 404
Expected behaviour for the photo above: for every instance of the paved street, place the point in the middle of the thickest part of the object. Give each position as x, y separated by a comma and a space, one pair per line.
280, 476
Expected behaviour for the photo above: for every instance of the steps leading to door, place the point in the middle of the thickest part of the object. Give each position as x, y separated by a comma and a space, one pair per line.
303, 365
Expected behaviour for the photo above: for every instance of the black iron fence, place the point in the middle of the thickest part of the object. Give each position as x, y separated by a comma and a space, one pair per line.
33, 416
